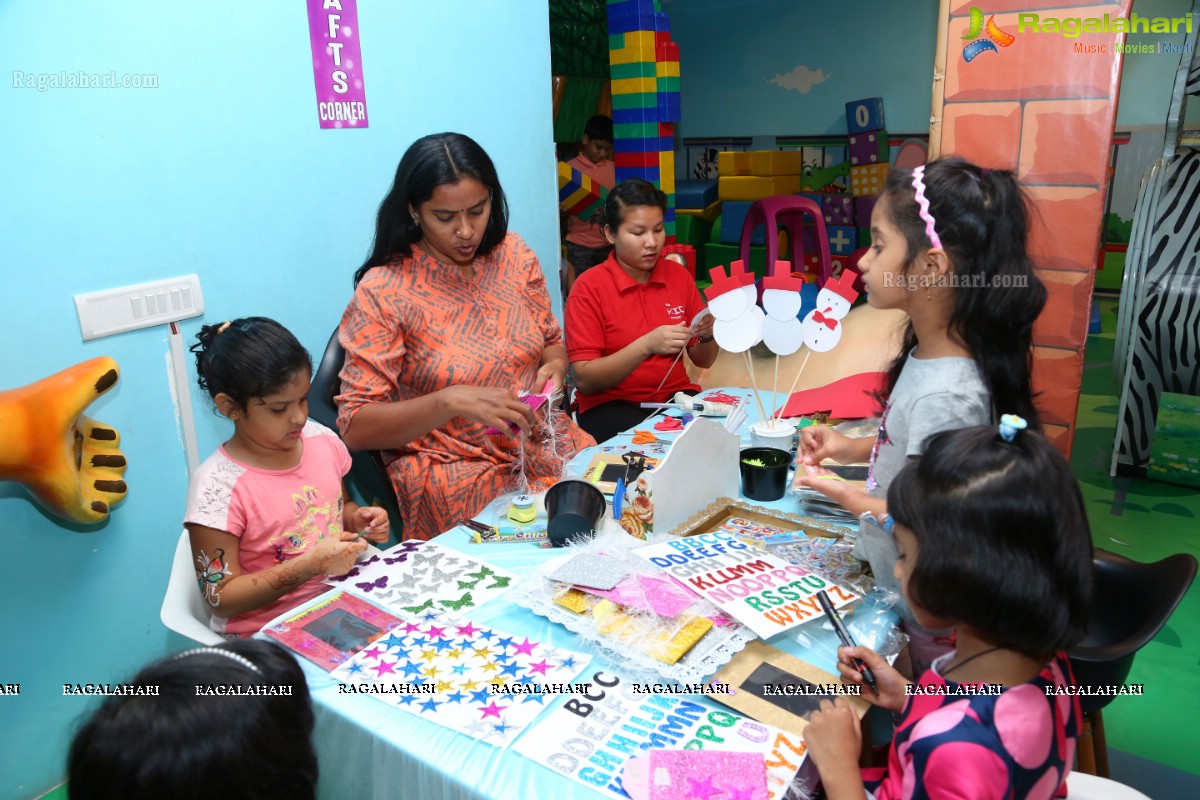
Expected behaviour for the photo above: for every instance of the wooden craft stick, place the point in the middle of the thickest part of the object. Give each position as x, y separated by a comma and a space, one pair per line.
754, 385
797, 378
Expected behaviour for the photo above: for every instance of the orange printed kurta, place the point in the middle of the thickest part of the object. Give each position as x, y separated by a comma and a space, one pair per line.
416, 326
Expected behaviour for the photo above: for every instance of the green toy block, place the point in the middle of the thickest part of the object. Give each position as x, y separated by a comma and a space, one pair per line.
638, 69
693, 230
639, 100
668, 84
636, 130
725, 254
864, 237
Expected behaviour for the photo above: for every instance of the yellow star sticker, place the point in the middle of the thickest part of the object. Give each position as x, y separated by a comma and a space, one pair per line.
444, 686
491, 666
431, 671
483, 651
428, 655
469, 686
456, 653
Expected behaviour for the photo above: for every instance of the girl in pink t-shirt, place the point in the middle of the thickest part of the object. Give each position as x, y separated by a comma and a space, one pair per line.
265, 513
993, 540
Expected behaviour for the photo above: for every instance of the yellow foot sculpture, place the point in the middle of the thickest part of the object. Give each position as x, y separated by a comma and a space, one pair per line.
69, 462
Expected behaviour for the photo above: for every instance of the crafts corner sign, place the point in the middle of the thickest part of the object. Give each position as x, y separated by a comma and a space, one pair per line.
337, 63
987, 37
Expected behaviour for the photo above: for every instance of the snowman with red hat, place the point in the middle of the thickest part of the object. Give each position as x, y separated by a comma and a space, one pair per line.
782, 332
822, 327
733, 302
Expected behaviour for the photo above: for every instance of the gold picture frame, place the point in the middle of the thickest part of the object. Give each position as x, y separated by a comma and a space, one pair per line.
724, 509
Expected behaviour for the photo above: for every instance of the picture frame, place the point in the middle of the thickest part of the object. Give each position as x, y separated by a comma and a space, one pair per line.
758, 666
726, 511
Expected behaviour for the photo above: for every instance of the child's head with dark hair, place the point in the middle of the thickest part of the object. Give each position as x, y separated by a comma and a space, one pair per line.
979, 219
440, 159
186, 743
596, 144
248, 358
993, 535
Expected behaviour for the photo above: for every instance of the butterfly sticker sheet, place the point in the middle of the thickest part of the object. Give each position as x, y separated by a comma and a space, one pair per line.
415, 578
471, 679
330, 631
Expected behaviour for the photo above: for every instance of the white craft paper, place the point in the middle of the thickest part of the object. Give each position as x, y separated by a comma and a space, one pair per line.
701, 465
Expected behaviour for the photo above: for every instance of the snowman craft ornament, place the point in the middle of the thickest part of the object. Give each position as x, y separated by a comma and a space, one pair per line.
782, 332
733, 302
822, 327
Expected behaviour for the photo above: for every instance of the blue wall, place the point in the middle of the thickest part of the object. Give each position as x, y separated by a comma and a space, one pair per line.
222, 171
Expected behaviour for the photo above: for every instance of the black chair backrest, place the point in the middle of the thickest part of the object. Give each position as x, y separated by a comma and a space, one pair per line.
367, 470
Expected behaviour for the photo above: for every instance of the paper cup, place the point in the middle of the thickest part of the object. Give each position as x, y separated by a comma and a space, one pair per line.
779, 435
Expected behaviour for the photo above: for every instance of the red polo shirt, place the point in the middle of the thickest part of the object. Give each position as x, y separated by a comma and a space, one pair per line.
607, 310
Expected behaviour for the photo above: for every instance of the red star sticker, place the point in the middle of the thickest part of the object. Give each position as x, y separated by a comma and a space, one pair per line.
492, 710
541, 667
525, 647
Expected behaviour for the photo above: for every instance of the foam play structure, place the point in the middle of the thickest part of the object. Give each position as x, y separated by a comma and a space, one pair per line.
70, 463
1048, 113
1157, 349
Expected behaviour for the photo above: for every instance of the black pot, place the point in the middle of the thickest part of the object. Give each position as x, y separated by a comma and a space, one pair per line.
769, 481
573, 509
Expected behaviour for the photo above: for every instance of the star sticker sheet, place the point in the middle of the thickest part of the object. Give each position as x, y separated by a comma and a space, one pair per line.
332, 630
443, 672
415, 577
591, 740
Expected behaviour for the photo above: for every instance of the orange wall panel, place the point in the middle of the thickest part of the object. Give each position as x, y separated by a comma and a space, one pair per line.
1060, 141
992, 131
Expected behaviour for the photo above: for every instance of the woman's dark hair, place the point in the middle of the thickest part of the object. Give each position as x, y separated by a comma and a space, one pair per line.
430, 162
1002, 536
630, 192
188, 745
982, 219
247, 358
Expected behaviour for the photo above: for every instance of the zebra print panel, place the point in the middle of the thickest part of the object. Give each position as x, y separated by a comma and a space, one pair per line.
1193, 78
1165, 352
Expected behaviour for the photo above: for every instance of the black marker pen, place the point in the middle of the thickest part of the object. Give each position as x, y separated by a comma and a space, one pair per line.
844, 635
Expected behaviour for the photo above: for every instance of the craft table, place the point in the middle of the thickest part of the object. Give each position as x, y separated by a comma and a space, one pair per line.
369, 749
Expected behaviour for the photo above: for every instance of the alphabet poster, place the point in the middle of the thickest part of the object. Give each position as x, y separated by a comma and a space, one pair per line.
590, 737
760, 590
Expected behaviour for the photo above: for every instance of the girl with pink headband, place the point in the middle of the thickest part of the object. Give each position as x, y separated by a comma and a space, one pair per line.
948, 247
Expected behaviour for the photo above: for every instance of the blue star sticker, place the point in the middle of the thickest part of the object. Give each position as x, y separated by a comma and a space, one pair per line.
510, 669
480, 696
429, 705
503, 642
455, 697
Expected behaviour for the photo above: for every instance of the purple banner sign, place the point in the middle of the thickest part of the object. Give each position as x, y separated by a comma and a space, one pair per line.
337, 63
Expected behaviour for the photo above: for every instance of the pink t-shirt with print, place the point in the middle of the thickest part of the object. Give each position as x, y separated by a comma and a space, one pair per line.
277, 514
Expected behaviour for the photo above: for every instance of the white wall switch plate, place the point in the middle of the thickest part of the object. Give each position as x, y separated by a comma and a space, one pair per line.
140, 305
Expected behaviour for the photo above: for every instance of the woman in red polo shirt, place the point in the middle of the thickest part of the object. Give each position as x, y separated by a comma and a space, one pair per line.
629, 318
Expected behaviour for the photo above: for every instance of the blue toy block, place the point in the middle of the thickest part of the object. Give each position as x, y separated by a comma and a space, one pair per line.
655, 144
843, 240
1094, 318
624, 7
695, 193
733, 217
864, 115
863, 206
645, 173
638, 21
625, 116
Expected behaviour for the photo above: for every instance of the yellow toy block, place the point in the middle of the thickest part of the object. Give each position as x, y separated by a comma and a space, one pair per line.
631, 55
667, 69
733, 162
708, 214
641, 40
634, 86
868, 180
765, 163
756, 187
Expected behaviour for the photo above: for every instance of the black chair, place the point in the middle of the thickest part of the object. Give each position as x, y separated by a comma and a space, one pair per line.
367, 470
1131, 603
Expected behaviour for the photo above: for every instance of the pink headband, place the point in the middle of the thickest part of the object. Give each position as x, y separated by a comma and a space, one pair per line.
923, 206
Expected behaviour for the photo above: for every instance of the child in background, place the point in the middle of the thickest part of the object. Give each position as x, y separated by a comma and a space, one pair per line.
947, 248
181, 743
629, 319
586, 245
265, 513
993, 540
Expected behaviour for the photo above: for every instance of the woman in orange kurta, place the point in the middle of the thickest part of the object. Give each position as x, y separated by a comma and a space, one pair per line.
449, 320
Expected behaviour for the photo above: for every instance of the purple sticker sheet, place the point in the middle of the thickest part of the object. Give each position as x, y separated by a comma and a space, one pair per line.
417, 577
472, 679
